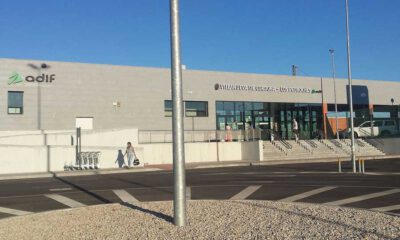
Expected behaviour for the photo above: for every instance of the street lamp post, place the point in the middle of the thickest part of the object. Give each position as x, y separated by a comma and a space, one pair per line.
353, 157
177, 119
398, 117
332, 52
39, 92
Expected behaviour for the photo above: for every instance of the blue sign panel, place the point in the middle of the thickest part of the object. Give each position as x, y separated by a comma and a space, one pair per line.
360, 94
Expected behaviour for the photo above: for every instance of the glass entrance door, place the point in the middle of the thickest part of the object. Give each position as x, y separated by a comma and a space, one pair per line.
306, 116
222, 121
262, 120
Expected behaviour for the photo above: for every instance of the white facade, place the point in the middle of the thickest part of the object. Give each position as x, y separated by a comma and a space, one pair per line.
133, 97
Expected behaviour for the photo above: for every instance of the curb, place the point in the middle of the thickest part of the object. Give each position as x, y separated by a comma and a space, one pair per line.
75, 173
188, 167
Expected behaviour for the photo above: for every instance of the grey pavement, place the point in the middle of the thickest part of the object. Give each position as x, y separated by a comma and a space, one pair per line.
305, 182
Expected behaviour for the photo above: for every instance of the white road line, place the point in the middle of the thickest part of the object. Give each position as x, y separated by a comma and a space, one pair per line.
246, 192
64, 200
269, 175
13, 211
362, 197
212, 174
243, 182
387, 208
382, 173
274, 176
59, 189
125, 196
306, 194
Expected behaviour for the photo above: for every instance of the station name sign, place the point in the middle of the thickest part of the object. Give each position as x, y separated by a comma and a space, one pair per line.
253, 88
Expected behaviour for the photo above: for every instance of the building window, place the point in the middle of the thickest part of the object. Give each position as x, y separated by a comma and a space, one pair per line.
15, 102
192, 108
196, 108
167, 108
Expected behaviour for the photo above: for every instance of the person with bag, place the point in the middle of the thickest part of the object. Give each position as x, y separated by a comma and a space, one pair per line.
130, 153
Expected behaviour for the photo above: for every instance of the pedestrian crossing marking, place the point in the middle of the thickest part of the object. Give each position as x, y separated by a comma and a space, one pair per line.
362, 197
306, 194
387, 208
125, 196
65, 200
245, 193
14, 211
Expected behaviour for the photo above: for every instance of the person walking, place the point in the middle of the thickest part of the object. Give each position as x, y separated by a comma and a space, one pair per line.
130, 153
228, 133
295, 128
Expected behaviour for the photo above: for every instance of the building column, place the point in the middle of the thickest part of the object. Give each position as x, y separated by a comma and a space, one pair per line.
371, 110
272, 120
324, 115
371, 117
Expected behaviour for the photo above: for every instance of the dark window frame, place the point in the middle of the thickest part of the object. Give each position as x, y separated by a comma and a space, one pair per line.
206, 114
165, 109
15, 107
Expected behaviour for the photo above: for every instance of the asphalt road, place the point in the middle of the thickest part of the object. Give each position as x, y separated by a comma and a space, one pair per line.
379, 189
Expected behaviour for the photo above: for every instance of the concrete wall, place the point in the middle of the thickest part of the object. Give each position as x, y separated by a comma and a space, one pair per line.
19, 133
30, 159
253, 150
391, 146
161, 153
116, 137
36, 159
89, 90
113, 137
61, 156
23, 159
64, 139
30, 139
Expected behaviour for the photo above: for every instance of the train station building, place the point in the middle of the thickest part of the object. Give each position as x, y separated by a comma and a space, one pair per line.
47, 95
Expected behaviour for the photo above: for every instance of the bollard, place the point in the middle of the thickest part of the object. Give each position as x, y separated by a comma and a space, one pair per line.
339, 165
359, 165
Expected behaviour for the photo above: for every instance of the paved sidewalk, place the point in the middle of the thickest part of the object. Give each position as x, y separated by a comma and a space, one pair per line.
78, 173
168, 167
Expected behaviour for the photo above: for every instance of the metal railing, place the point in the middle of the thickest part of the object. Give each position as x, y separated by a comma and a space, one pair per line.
280, 148
311, 143
303, 145
161, 136
326, 145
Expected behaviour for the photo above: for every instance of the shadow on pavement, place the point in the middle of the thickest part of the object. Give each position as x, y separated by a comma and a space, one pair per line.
98, 197
142, 185
104, 200
154, 213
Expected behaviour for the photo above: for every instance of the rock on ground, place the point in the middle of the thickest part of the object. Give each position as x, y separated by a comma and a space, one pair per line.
206, 220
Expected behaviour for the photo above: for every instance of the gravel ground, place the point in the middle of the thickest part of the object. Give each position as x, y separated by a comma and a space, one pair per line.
206, 220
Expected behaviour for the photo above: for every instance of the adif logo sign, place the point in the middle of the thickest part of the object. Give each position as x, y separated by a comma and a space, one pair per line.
15, 77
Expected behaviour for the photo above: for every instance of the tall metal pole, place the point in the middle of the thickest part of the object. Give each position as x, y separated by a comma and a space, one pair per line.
353, 157
177, 120
294, 70
39, 103
332, 51
323, 114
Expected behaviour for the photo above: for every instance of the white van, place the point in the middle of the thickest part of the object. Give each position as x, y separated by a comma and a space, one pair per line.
379, 128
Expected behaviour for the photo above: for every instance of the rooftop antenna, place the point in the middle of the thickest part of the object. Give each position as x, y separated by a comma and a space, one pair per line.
294, 70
